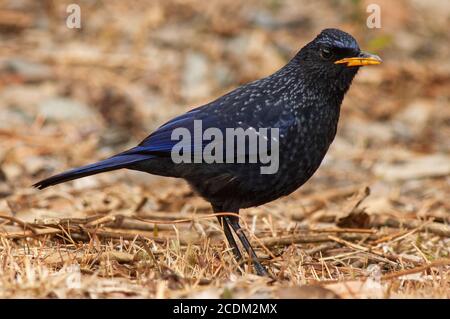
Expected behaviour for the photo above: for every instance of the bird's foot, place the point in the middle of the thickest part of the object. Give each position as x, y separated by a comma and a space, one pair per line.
234, 223
259, 268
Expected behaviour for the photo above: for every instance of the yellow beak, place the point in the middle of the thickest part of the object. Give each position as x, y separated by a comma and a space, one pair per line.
361, 60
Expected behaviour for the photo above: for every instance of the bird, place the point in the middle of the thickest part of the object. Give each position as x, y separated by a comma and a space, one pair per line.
301, 100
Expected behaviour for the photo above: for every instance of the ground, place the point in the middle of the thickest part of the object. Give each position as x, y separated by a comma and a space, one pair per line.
371, 223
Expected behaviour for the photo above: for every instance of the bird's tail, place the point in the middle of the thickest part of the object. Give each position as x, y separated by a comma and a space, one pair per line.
122, 160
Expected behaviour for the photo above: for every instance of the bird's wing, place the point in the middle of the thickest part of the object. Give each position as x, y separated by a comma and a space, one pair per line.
161, 142
242, 108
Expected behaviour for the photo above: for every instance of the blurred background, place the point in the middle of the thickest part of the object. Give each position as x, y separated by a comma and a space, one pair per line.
68, 96
72, 96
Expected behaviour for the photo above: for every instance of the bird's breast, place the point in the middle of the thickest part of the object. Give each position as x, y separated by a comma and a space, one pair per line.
306, 143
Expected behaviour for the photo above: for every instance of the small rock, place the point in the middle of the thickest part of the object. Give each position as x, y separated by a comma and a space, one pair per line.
223, 75
263, 19
195, 82
372, 132
89, 182
36, 164
16, 118
374, 272
5, 190
371, 76
59, 109
412, 121
421, 167
12, 171
29, 71
26, 97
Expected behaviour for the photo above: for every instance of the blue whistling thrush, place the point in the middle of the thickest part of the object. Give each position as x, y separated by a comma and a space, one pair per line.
302, 100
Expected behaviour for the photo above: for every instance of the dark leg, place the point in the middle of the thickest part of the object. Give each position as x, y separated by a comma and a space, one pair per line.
234, 223
226, 229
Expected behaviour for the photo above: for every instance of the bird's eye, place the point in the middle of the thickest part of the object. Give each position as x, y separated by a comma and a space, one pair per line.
326, 53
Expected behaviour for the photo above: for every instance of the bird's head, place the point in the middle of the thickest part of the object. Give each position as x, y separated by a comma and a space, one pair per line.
334, 58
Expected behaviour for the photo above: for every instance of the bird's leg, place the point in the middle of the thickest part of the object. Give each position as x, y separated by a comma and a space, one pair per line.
234, 223
226, 229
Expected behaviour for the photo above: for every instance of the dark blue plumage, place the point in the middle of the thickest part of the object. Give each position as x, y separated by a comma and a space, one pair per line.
302, 100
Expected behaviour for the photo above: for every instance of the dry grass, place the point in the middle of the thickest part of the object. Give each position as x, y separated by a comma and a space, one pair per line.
128, 234
113, 253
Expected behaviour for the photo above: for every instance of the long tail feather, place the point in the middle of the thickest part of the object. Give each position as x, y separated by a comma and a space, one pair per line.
122, 160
